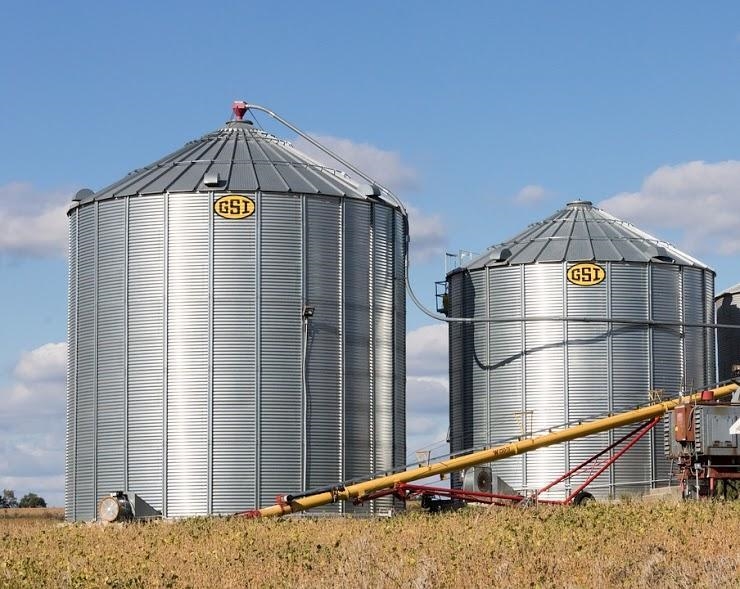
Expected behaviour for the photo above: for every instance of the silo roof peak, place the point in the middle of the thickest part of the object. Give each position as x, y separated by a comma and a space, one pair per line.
581, 232
578, 203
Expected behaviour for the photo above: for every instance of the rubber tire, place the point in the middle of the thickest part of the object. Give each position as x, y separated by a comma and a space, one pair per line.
583, 498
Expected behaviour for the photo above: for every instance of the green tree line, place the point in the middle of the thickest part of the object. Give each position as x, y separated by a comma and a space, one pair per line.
8, 499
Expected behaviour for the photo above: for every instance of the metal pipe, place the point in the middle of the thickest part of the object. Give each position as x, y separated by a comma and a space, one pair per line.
329, 152
436, 316
361, 489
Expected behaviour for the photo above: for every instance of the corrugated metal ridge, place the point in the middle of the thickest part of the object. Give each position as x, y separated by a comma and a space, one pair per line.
581, 232
265, 163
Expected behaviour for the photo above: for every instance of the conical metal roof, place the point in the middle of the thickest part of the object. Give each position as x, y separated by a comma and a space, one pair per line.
733, 290
582, 233
246, 159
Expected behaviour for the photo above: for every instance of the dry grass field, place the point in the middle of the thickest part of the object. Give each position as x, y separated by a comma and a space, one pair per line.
53, 513
619, 545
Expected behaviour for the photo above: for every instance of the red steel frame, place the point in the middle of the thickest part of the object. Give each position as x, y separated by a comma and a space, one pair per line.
406, 491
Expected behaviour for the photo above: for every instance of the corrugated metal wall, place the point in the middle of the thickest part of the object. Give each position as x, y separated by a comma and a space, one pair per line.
323, 365
399, 343
587, 362
281, 346
507, 362
71, 393
630, 373
509, 378
110, 376
194, 378
85, 406
457, 371
669, 374
544, 373
728, 340
188, 355
710, 335
383, 360
234, 365
358, 321
146, 347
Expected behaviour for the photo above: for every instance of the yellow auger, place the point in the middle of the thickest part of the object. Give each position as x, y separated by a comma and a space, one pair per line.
295, 503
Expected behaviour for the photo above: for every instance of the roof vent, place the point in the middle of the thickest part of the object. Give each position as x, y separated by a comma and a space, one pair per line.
82, 194
499, 254
239, 107
578, 203
660, 254
369, 190
212, 179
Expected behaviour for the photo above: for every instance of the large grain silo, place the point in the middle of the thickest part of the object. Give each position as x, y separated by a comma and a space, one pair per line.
511, 378
727, 304
236, 330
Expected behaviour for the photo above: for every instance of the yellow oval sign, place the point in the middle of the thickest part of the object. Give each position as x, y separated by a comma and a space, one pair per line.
586, 274
234, 206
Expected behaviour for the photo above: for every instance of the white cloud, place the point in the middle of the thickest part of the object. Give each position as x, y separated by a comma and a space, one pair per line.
49, 362
427, 389
428, 235
32, 424
384, 166
698, 199
427, 394
33, 222
530, 195
426, 350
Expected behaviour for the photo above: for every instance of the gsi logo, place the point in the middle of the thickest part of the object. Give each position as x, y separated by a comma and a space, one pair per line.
586, 274
234, 206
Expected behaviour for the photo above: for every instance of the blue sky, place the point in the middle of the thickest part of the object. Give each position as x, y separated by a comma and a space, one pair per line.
483, 116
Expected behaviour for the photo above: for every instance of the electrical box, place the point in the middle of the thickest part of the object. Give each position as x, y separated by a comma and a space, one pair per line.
713, 424
683, 426
693, 430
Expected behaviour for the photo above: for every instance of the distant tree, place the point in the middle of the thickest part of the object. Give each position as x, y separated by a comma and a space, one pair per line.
8, 499
32, 500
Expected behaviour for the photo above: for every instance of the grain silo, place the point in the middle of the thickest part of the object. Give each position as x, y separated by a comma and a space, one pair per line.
727, 304
511, 378
236, 329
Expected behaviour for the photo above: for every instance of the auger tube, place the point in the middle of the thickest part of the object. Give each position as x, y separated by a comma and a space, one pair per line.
296, 503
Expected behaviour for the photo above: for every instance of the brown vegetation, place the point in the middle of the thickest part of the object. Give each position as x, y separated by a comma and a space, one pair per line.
56, 513
621, 545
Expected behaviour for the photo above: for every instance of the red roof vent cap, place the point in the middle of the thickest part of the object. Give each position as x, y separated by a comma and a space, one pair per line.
239, 107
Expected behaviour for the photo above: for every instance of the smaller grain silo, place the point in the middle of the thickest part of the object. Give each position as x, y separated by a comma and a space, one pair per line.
525, 367
727, 305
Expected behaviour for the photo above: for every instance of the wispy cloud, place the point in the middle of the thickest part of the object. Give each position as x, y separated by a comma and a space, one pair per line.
387, 167
531, 194
697, 199
33, 222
